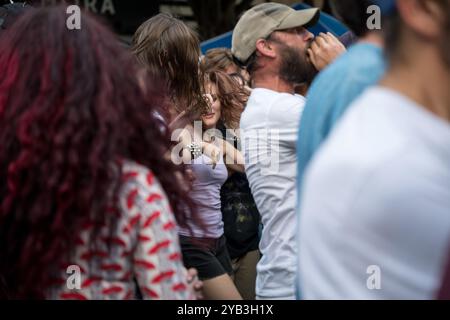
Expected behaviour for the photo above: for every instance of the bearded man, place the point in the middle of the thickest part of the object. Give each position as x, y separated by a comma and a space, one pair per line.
271, 41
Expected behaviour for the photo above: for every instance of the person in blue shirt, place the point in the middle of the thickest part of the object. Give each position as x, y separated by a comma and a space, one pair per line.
340, 83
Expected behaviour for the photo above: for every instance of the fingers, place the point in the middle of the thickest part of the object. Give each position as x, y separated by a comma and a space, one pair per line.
198, 285
219, 154
192, 273
198, 290
331, 36
324, 50
192, 277
321, 40
333, 41
213, 152
312, 56
214, 157
325, 39
314, 47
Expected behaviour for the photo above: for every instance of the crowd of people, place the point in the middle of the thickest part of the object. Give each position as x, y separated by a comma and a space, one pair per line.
291, 166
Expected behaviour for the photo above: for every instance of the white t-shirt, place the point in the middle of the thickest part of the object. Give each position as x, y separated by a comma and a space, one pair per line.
375, 209
269, 127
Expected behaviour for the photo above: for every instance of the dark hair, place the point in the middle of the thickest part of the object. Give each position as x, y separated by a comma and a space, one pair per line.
71, 107
10, 12
169, 48
353, 13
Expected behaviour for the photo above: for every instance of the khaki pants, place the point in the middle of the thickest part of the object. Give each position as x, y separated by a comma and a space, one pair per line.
245, 274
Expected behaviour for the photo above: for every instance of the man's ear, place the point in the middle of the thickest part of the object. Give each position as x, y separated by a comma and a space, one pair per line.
265, 48
424, 17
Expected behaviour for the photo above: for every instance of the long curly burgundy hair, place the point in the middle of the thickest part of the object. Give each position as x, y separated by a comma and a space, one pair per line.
71, 106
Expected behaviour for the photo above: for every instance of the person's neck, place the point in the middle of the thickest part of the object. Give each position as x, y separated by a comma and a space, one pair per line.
423, 80
206, 128
209, 127
373, 37
274, 83
209, 134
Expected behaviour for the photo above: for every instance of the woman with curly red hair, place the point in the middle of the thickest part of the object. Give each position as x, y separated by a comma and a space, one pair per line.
240, 215
205, 248
83, 177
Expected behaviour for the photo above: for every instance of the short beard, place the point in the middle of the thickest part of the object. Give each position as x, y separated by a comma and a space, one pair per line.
295, 67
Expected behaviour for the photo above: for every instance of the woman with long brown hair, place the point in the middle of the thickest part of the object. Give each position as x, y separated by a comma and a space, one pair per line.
165, 46
204, 245
221, 59
84, 181
241, 217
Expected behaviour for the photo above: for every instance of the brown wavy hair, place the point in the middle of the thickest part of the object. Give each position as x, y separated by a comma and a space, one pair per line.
169, 48
232, 96
218, 59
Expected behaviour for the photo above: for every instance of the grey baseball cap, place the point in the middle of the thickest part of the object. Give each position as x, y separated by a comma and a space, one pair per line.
263, 19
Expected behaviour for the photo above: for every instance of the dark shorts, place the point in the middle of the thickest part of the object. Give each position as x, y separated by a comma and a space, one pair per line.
209, 256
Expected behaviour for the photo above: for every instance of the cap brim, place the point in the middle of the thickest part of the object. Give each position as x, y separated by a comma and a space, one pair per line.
301, 18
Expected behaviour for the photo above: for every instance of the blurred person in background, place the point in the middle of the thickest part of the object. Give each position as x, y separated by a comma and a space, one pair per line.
85, 180
343, 81
375, 220
338, 85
